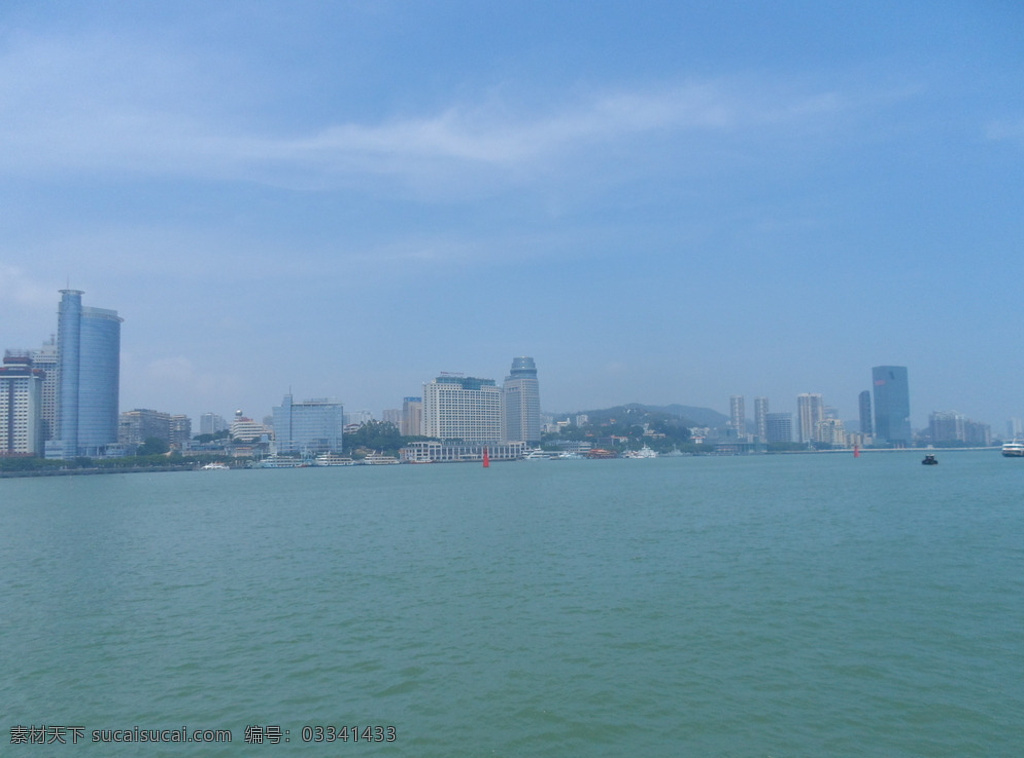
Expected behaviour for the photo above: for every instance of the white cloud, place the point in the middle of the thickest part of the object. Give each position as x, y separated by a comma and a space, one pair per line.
102, 105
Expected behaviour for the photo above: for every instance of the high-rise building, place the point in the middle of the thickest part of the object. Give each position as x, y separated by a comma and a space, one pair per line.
211, 423
737, 416
466, 408
89, 361
412, 417
761, 418
21, 388
181, 430
312, 426
892, 405
522, 402
778, 427
45, 358
810, 408
141, 424
864, 404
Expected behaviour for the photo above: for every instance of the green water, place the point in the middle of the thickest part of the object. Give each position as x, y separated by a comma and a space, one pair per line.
762, 606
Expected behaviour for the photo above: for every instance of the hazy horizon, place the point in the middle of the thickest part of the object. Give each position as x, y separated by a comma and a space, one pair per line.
666, 203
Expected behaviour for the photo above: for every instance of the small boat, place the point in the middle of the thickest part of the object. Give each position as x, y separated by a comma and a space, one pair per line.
929, 460
1014, 449
644, 452
216, 467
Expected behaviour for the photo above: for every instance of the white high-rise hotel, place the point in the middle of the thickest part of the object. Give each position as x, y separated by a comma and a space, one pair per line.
471, 409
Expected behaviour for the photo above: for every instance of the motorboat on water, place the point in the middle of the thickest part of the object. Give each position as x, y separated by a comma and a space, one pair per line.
930, 460
215, 466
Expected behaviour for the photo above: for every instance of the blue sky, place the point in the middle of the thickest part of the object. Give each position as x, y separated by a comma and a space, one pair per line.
661, 202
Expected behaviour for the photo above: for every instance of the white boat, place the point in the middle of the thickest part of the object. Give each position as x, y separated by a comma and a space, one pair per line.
537, 455
332, 459
644, 452
379, 459
1013, 449
277, 461
216, 467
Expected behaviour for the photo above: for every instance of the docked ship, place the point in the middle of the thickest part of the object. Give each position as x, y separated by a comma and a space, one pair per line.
379, 459
332, 459
1013, 449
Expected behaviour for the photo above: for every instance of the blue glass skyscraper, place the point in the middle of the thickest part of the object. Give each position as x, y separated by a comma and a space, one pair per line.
892, 405
89, 361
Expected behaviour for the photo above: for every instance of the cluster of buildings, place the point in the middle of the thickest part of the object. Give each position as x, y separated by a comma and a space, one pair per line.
884, 419
61, 401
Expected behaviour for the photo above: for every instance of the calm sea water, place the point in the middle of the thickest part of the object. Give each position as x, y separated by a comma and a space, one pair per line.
749, 606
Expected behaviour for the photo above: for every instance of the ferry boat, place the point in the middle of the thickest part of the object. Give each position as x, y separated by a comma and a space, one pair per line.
277, 461
1013, 449
379, 459
332, 459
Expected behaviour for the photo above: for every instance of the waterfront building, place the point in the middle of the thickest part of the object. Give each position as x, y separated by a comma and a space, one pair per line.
953, 427
310, 427
465, 408
412, 417
522, 402
89, 358
810, 413
778, 427
864, 404
181, 431
244, 429
761, 418
892, 405
439, 452
141, 424
21, 390
831, 431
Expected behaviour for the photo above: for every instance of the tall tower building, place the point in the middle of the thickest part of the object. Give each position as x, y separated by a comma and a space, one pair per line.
21, 388
45, 358
412, 417
737, 416
761, 418
89, 361
892, 404
463, 408
522, 402
810, 408
864, 403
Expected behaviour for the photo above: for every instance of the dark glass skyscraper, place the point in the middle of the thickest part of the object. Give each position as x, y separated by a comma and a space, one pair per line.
89, 360
866, 425
892, 404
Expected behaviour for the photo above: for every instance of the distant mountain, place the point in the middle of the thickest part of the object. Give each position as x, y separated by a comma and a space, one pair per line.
691, 415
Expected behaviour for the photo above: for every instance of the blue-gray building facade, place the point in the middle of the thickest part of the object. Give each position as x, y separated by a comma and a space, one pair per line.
892, 405
310, 427
522, 402
89, 362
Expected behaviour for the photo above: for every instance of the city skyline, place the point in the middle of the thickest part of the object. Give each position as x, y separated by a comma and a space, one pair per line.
666, 204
